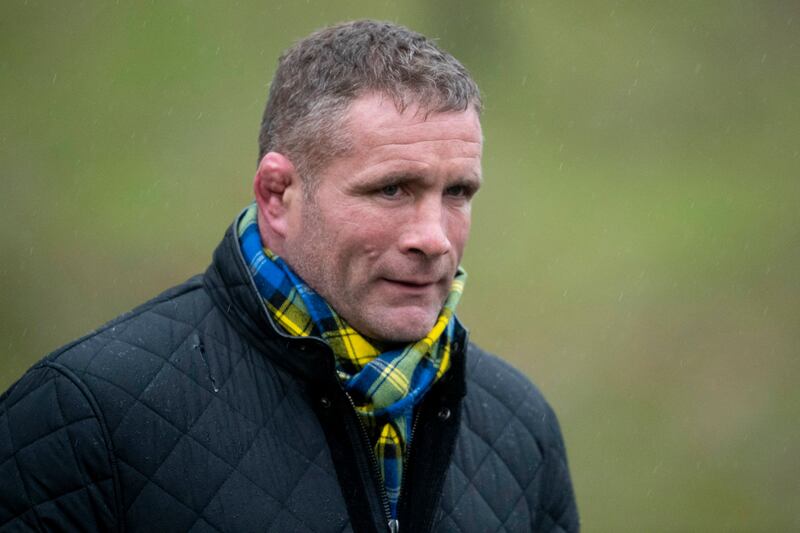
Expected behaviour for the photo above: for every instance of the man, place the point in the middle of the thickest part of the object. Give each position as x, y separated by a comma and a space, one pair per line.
315, 378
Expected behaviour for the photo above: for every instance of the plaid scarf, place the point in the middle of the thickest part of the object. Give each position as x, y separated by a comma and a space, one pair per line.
384, 385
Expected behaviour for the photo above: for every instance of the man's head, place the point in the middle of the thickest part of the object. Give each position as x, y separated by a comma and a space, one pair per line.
369, 201
320, 76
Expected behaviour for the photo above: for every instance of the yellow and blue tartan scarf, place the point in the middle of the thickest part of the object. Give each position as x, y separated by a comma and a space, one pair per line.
384, 386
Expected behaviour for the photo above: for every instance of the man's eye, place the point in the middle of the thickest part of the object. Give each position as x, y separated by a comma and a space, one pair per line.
390, 190
457, 190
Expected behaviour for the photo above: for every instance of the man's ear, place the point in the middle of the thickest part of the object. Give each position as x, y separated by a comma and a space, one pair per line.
276, 186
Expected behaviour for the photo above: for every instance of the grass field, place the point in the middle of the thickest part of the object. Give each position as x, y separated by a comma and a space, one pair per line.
635, 248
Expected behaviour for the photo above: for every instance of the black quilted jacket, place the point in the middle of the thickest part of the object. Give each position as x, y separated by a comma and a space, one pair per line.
192, 413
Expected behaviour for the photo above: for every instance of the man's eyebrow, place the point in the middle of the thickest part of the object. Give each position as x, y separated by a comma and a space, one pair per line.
476, 178
400, 178
472, 180
392, 178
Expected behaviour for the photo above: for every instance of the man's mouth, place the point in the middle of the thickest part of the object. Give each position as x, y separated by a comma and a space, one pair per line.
412, 283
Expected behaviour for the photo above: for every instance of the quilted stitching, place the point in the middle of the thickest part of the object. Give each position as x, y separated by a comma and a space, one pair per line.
205, 437
498, 450
185, 426
68, 435
176, 424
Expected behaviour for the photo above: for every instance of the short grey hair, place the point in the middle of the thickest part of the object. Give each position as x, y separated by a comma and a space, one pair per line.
321, 75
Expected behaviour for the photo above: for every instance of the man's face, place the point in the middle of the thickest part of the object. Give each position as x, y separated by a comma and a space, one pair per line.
386, 228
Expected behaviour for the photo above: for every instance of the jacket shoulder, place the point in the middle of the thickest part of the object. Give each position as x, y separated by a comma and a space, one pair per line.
492, 377
55, 456
136, 350
141, 337
60, 420
519, 434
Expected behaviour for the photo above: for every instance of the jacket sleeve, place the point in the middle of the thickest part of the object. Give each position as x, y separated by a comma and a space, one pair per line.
56, 465
559, 512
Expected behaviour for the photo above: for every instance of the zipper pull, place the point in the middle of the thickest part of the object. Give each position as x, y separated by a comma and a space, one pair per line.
394, 525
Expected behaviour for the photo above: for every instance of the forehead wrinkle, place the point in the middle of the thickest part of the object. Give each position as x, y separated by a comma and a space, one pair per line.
387, 136
439, 150
449, 139
385, 154
403, 126
391, 129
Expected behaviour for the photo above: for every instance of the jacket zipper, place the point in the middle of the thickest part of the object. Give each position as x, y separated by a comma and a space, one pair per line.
407, 460
393, 523
414, 424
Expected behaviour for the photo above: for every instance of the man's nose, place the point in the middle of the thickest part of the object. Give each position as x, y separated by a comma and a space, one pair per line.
426, 233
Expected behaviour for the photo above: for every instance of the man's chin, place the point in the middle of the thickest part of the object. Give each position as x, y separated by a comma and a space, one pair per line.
401, 326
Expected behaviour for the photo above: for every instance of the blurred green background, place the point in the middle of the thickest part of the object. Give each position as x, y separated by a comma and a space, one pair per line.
640, 212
